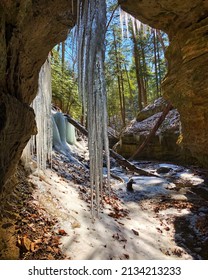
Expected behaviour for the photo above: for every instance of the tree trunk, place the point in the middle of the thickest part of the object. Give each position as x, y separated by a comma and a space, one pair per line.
123, 98
153, 131
155, 62
119, 80
62, 56
160, 39
136, 61
159, 63
145, 78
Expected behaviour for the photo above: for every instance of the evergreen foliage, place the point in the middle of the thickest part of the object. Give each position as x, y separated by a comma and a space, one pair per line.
64, 86
135, 67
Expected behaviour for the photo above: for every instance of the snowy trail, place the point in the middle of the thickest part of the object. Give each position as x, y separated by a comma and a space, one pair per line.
139, 235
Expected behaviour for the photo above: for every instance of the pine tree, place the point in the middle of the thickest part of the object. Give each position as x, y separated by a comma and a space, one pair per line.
64, 86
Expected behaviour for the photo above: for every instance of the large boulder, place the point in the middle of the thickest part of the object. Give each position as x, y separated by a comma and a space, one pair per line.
163, 146
157, 106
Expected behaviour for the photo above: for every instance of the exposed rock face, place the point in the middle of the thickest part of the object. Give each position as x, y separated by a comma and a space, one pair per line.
28, 31
158, 106
163, 146
186, 83
168, 15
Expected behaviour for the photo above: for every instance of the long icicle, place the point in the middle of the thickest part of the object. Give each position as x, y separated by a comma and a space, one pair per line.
91, 55
41, 144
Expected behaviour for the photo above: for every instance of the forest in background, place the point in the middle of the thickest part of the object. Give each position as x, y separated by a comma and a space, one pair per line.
135, 66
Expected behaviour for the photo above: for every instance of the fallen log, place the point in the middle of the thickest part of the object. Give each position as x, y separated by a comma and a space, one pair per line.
120, 160
153, 131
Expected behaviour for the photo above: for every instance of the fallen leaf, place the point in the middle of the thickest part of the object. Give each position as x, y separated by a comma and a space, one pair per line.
115, 236
24, 243
38, 241
159, 229
75, 224
56, 250
49, 249
62, 232
135, 231
32, 247
55, 241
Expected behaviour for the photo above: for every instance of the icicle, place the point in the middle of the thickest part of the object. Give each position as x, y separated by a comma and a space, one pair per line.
42, 142
42, 108
70, 133
136, 24
133, 25
56, 136
121, 12
127, 24
27, 153
91, 51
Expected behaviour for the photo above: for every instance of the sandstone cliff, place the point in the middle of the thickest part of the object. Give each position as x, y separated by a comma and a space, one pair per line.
186, 83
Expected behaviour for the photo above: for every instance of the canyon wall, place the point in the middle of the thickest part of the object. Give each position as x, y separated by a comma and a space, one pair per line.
186, 83
28, 32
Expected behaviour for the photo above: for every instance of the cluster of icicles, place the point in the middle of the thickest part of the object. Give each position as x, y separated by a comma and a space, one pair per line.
91, 30
53, 128
41, 144
137, 25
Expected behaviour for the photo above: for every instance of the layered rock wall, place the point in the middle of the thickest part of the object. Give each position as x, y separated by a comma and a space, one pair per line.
186, 83
28, 31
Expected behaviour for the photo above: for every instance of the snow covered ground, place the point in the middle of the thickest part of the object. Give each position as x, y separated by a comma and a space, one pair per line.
130, 225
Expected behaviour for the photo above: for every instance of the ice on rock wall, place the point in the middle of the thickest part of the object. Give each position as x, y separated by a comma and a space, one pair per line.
41, 144
91, 55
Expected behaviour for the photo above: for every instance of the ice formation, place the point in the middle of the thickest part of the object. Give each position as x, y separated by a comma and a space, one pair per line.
53, 129
63, 135
70, 133
41, 144
91, 55
136, 24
